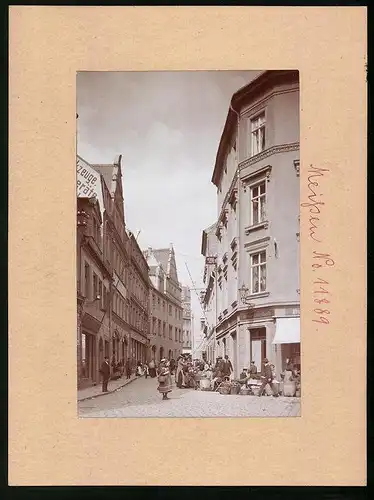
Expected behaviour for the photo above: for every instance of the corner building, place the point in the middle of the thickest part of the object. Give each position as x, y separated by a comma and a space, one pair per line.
257, 232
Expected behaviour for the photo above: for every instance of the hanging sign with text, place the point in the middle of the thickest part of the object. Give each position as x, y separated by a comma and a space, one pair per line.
89, 182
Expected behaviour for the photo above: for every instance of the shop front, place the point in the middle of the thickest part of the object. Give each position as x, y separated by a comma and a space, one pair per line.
89, 351
138, 348
287, 340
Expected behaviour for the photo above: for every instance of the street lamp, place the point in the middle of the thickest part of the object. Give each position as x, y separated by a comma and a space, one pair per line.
245, 296
98, 297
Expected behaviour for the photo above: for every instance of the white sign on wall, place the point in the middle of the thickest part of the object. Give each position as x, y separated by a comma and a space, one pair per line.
88, 182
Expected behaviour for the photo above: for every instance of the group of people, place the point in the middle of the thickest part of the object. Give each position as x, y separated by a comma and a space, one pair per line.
268, 377
121, 368
188, 373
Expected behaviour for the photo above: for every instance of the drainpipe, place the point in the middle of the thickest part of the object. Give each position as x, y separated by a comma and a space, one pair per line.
236, 368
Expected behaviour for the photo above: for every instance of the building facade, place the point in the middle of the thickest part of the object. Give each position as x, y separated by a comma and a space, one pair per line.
165, 304
139, 293
187, 331
256, 272
93, 289
109, 267
209, 248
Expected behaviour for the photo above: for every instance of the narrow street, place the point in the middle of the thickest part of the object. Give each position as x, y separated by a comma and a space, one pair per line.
141, 399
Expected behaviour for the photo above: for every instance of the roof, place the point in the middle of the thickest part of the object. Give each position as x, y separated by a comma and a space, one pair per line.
162, 257
257, 86
204, 237
109, 172
152, 270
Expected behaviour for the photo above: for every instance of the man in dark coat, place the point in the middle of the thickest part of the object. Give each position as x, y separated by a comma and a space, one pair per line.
253, 370
227, 367
105, 372
128, 368
268, 379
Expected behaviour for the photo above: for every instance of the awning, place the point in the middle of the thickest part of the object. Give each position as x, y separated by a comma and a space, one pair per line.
287, 331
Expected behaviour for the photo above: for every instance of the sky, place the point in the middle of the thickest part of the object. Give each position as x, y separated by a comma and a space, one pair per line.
167, 126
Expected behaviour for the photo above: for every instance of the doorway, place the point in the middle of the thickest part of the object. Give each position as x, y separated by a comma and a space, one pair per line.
258, 347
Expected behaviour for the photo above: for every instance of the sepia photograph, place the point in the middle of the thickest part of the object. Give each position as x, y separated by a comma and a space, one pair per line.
188, 244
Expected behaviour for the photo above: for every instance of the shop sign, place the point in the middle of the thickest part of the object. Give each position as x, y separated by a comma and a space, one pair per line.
88, 180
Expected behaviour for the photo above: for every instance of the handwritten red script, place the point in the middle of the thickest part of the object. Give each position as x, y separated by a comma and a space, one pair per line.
321, 261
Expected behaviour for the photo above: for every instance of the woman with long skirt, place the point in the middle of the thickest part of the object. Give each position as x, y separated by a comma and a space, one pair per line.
164, 379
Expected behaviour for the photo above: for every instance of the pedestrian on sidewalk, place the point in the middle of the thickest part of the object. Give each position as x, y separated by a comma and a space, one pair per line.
268, 379
139, 370
145, 370
128, 369
164, 378
152, 368
105, 372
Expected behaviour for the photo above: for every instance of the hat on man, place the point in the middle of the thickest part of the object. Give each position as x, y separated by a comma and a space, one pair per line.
266, 360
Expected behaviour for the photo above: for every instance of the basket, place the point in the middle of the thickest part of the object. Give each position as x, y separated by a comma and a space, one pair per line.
225, 388
256, 389
245, 391
289, 389
235, 388
205, 384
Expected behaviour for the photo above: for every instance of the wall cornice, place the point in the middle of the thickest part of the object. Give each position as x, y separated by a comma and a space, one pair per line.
279, 148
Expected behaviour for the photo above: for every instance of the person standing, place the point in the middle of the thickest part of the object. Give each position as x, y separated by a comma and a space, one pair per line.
164, 378
145, 370
105, 372
128, 369
152, 368
253, 369
172, 366
268, 379
179, 376
227, 367
139, 371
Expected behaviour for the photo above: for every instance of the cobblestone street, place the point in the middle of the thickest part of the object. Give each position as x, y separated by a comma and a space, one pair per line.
141, 399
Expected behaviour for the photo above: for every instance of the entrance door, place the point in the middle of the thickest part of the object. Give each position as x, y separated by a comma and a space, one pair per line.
258, 347
256, 354
234, 354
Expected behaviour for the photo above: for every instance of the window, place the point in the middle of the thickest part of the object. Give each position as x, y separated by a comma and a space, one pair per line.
104, 298
176, 333
170, 332
100, 292
87, 283
164, 329
258, 272
258, 203
170, 310
95, 294
159, 327
258, 134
